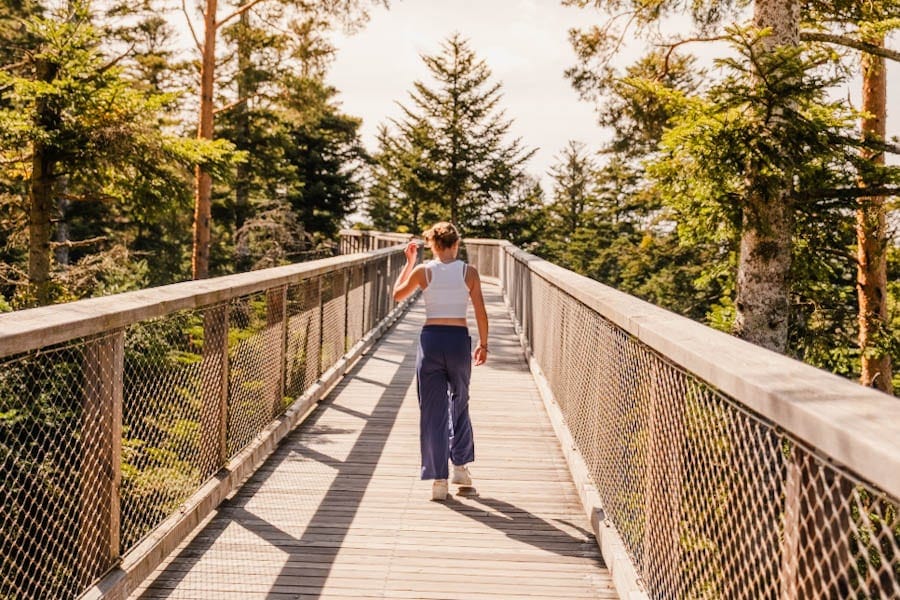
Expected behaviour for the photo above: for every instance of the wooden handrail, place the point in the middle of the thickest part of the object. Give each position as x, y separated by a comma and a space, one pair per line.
27, 330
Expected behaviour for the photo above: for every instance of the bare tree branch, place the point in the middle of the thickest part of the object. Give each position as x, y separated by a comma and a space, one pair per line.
113, 62
851, 192
14, 65
87, 198
238, 12
190, 23
12, 161
849, 42
79, 243
231, 105
671, 48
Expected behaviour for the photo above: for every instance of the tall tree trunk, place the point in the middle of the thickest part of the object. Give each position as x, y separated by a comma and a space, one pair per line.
202, 179
39, 225
764, 262
454, 211
40, 214
242, 129
62, 227
871, 280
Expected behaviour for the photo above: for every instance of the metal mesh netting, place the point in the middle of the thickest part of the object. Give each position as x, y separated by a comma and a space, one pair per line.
174, 378
484, 257
52, 521
255, 366
355, 305
333, 319
304, 326
104, 438
711, 500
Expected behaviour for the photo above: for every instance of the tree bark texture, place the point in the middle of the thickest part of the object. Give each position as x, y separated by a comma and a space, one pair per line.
40, 214
62, 230
764, 262
242, 129
871, 235
202, 179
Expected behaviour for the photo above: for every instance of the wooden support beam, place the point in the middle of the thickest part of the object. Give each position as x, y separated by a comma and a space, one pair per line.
101, 448
214, 389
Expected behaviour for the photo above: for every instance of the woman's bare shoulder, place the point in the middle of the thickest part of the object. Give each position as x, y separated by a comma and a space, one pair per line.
472, 276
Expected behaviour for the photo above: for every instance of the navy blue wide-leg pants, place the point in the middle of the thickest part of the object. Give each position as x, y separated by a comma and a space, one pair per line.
443, 370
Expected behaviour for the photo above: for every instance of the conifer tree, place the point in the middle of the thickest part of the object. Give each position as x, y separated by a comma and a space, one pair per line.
460, 133
765, 202
350, 12
402, 195
862, 27
81, 132
304, 155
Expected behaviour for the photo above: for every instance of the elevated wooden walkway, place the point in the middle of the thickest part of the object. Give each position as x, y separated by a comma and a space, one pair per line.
338, 510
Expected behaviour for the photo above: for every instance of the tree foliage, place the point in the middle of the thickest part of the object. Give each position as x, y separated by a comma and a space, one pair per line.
83, 148
451, 149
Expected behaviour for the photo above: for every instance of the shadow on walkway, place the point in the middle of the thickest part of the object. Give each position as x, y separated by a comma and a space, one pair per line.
523, 526
353, 474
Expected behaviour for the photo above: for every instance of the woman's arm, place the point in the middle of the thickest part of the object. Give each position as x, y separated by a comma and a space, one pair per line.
473, 280
411, 277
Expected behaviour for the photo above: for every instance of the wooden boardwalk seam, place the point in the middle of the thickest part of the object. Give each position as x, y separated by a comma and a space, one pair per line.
338, 510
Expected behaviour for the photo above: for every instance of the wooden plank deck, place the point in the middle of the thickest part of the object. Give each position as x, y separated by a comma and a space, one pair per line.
338, 510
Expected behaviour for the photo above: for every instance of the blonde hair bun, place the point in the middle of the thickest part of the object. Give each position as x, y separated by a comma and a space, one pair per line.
441, 235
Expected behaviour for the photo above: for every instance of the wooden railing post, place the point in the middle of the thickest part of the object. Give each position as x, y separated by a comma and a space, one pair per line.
214, 389
347, 282
101, 447
277, 325
365, 279
790, 541
321, 343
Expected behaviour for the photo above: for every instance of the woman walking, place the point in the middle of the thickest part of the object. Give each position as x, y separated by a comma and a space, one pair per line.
444, 358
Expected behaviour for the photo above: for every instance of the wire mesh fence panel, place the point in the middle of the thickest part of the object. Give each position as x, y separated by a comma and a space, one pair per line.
380, 276
175, 382
254, 368
333, 318
104, 438
711, 499
57, 514
484, 257
355, 305
303, 336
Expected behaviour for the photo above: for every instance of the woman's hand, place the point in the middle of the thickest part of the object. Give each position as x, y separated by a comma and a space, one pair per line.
480, 355
411, 251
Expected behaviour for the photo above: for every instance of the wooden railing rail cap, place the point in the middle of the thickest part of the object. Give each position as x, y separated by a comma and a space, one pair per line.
487, 242
26, 330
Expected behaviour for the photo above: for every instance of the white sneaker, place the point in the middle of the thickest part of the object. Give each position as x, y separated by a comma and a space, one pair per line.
439, 489
461, 476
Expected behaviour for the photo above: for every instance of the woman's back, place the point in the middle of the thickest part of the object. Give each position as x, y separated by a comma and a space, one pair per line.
446, 295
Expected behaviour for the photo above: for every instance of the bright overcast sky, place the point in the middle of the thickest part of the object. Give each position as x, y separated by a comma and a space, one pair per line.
525, 44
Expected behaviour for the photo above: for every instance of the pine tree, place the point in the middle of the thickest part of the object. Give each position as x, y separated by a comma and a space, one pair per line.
304, 154
519, 216
862, 26
403, 195
457, 127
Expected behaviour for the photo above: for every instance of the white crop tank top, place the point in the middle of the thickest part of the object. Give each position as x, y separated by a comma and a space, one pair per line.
447, 295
